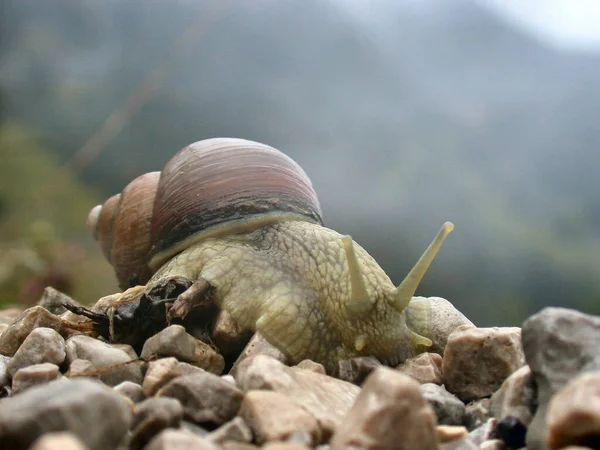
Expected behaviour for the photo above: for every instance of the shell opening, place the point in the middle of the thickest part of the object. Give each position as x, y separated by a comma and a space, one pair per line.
92, 219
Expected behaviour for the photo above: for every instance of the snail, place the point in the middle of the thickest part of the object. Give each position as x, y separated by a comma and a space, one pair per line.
243, 220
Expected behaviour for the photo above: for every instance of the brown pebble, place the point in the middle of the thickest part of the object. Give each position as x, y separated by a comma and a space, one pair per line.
274, 417
477, 360
573, 416
425, 368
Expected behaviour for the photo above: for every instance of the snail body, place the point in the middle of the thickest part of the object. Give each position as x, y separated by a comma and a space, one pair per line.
244, 219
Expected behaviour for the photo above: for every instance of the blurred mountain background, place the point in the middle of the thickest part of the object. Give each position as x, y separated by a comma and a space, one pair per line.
404, 115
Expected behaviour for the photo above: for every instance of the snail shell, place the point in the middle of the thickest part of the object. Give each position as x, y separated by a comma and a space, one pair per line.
210, 188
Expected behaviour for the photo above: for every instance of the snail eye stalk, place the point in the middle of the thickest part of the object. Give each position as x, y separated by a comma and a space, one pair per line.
404, 293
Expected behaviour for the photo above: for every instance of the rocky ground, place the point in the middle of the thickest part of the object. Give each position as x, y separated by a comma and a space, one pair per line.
483, 388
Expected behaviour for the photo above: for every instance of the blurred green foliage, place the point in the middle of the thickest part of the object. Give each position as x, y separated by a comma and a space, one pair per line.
43, 236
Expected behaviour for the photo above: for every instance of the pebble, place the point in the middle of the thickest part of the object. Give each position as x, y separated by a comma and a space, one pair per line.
356, 370
573, 416
559, 344
485, 432
478, 360
53, 300
163, 370
388, 398
258, 345
235, 430
273, 417
65, 405
425, 368
43, 345
326, 398
516, 397
35, 374
32, 318
307, 364
465, 443
151, 417
59, 441
82, 367
449, 410
284, 446
493, 444
102, 356
477, 413
238, 446
205, 397
174, 341
171, 439
131, 390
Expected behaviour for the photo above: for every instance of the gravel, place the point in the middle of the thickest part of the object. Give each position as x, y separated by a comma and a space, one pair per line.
479, 388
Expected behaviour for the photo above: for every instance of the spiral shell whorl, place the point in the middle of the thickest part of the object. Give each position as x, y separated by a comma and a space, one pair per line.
122, 228
209, 188
226, 185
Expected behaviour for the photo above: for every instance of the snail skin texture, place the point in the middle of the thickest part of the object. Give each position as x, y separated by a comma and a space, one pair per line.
311, 292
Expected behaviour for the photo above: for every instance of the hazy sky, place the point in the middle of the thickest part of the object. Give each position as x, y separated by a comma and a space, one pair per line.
572, 24
568, 23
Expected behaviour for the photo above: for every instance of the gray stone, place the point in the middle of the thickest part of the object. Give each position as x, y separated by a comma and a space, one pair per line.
206, 398
174, 341
43, 345
113, 365
273, 417
459, 444
485, 432
82, 368
478, 412
132, 391
32, 375
151, 417
326, 398
559, 344
388, 398
170, 439
32, 318
163, 370
443, 319
425, 368
477, 360
65, 405
284, 446
235, 430
448, 409
258, 345
493, 444
232, 445
59, 441
356, 370
9, 315
54, 300
516, 397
